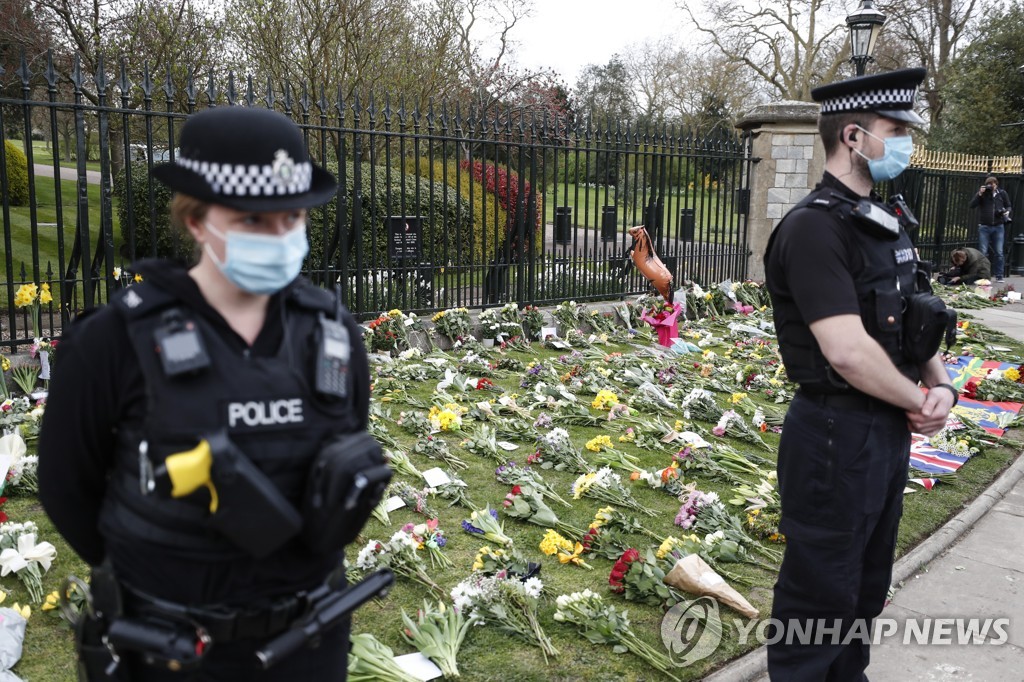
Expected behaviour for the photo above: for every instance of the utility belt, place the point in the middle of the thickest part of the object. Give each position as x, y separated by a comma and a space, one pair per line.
221, 623
344, 484
119, 621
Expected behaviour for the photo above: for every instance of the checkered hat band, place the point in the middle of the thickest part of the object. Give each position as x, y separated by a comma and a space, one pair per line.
870, 99
251, 180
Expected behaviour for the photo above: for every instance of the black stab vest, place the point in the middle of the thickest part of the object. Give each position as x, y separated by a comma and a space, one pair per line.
267, 405
883, 285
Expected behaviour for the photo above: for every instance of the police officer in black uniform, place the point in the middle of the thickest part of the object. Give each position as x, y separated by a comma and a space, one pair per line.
841, 270
238, 361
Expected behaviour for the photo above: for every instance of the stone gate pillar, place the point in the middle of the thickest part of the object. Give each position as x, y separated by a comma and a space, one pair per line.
789, 161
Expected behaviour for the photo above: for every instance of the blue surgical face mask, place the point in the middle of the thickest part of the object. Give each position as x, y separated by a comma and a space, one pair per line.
261, 263
894, 160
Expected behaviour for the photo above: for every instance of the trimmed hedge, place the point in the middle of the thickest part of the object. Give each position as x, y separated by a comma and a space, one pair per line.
17, 175
450, 212
484, 222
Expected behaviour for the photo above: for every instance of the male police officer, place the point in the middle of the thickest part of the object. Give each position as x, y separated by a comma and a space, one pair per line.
840, 270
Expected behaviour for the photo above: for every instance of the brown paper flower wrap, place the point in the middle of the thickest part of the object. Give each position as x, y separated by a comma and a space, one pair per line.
692, 574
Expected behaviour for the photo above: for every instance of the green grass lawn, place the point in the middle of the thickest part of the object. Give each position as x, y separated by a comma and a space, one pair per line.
488, 654
42, 153
47, 229
712, 215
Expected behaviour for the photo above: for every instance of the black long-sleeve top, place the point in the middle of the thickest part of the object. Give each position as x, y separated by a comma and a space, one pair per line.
991, 206
98, 388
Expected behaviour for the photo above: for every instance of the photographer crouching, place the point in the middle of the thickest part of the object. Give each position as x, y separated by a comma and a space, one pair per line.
969, 265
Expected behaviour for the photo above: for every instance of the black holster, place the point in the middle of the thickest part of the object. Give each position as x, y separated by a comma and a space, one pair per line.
345, 483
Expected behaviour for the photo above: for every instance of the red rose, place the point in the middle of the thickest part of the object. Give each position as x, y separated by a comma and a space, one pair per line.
591, 535
516, 490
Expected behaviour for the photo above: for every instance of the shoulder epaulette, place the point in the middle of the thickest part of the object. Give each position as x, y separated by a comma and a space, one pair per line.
307, 295
142, 299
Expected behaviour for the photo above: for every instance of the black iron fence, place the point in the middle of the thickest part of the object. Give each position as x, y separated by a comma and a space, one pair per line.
940, 200
436, 208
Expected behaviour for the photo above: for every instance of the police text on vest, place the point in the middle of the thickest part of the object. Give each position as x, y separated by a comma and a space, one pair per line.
265, 412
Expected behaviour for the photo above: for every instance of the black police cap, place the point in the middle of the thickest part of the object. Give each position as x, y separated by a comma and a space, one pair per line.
891, 94
245, 158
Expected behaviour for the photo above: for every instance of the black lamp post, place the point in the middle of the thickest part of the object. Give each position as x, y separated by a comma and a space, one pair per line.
865, 24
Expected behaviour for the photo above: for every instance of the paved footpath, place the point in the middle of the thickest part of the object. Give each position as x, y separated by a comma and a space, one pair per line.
971, 568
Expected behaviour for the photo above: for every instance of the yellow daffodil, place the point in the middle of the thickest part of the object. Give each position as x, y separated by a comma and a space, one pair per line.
5, 364
1012, 374
51, 602
604, 400
598, 443
738, 397
24, 611
138, 277
117, 273
44, 295
26, 295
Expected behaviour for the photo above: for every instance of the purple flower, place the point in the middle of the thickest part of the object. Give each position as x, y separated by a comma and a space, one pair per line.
470, 528
543, 421
441, 540
494, 514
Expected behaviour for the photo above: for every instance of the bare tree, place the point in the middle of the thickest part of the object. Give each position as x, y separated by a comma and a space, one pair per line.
932, 31
790, 45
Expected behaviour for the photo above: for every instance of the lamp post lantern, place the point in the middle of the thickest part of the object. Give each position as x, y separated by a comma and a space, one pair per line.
865, 24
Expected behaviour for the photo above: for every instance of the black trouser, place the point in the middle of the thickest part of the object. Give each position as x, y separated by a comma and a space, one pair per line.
842, 469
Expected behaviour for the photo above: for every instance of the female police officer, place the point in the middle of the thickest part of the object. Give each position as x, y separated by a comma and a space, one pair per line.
227, 354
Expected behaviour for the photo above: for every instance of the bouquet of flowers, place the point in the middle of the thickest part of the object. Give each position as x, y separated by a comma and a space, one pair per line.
603, 322
453, 323
431, 538
533, 321
398, 554
569, 315
606, 485
700, 404
507, 561
32, 296
446, 418
712, 516
604, 624
567, 552
736, 426
454, 491
511, 473
371, 661
507, 603
400, 462
484, 442
414, 422
436, 447
673, 548
556, 451
664, 318
686, 518
526, 503
485, 522
668, 479
494, 325
388, 332
22, 555
415, 499
641, 580
437, 633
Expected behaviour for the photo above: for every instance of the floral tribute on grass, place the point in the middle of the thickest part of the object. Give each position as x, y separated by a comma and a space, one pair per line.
602, 623
484, 522
398, 554
21, 554
438, 633
507, 603
606, 485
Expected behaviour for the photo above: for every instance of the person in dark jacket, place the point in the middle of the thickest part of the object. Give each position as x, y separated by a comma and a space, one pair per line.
840, 280
994, 209
969, 265
225, 353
